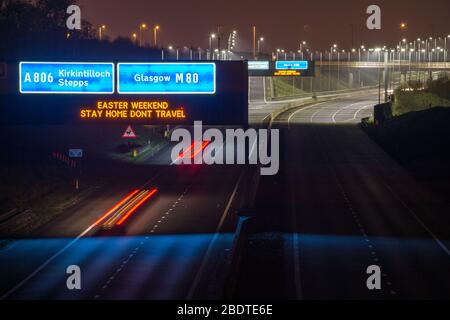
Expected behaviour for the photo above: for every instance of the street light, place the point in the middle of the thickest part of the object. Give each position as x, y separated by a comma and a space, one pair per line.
211, 36
445, 47
100, 30
141, 27
333, 49
261, 39
155, 29
177, 51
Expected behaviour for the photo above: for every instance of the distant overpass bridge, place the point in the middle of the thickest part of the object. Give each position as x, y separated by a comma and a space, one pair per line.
378, 65
334, 76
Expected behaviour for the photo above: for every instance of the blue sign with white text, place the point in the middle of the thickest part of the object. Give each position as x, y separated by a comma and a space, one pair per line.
166, 78
66, 77
291, 65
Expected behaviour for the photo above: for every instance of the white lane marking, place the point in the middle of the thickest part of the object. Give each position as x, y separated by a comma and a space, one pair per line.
134, 251
47, 262
311, 119
215, 237
302, 109
411, 211
344, 108
53, 257
356, 113
349, 205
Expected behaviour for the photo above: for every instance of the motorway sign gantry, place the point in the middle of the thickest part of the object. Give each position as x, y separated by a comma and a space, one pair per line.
159, 93
301, 68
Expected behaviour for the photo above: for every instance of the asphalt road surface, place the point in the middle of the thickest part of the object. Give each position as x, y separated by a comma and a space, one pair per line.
173, 246
339, 205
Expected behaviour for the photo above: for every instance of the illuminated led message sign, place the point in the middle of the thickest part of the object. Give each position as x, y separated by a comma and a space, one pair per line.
291, 65
166, 78
66, 77
134, 110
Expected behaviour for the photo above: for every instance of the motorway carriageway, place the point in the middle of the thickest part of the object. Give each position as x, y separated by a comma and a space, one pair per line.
338, 205
170, 238
177, 240
343, 205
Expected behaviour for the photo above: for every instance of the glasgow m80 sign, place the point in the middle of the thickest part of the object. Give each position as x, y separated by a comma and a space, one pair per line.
166, 78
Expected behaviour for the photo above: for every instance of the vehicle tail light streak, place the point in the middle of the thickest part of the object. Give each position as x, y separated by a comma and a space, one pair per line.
185, 152
192, 151
203, 146
110, 211
117, 215
136, 206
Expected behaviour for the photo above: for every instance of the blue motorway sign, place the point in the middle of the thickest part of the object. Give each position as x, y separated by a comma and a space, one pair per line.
66, 77
291, 65
76, 153
166, 78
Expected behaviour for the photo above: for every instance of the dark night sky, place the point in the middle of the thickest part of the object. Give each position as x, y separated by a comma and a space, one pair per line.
281, 22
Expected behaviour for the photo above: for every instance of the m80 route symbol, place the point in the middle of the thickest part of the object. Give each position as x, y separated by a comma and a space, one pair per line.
166, 78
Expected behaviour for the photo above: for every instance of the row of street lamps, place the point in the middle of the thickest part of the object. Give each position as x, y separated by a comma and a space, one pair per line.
419, 50
134, 36
428, 50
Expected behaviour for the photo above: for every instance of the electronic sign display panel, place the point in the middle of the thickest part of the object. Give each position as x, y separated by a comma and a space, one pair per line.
282, 69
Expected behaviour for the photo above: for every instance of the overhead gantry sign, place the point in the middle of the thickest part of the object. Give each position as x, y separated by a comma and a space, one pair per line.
146, 92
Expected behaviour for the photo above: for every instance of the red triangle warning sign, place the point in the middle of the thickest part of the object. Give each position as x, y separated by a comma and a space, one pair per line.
129, 133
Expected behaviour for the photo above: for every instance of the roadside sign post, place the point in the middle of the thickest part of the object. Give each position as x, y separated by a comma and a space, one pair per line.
130, 134
76, 153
